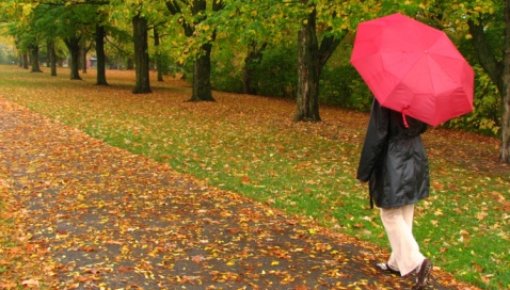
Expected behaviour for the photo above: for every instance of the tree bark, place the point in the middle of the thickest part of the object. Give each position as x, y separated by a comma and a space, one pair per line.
34, 58
202, 90
505, 122
140, 28
73, 45
308, 72
52, 57
100, 54
159, 62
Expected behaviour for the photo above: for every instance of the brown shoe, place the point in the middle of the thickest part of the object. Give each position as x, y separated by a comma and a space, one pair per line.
423, 275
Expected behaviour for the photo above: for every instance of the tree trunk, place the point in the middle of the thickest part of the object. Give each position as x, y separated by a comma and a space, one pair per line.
34, 58
251, 61
129, 64
485, 55
159, 63
83, 58
73, 45
202, 76
308, 72
202, 67
140, 28
505, 122
52, 57
25, 60
101, 58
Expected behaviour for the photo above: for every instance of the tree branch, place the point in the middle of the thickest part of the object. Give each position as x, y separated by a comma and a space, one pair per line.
124, 52
75, 2
218, 5
175, 9
485, 54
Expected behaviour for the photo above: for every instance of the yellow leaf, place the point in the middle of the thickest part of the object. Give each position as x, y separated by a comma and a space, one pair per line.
31, 283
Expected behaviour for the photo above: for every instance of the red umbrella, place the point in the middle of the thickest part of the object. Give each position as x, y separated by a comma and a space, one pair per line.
413, 68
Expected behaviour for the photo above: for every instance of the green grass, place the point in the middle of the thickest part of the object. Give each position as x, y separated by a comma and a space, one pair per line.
248, 145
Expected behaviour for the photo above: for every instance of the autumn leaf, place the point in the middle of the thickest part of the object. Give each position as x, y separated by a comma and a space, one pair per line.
31, 283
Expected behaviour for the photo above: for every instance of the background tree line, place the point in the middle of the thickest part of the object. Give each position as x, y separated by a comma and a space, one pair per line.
296, 49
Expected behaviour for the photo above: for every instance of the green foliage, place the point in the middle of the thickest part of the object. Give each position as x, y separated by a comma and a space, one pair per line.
227, 74
486, 116
277, 73
342, 86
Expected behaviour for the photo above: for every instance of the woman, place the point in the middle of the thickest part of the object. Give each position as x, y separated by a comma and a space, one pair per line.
394, 162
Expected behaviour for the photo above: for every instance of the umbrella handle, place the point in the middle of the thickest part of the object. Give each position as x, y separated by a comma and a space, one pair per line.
404, 117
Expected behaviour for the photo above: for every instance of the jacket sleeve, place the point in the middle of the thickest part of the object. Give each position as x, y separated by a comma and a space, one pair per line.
375, 141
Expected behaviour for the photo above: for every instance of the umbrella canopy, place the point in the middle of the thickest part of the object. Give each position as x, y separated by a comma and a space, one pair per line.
413, 68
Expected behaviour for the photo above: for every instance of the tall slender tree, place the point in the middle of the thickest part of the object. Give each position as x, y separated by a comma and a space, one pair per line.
34, 57
197, 10
100, 55
77, 23
158, 56
52, 56
313, 54
505, 124
140, 37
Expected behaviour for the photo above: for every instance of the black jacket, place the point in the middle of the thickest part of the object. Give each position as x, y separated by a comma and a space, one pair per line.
393, 159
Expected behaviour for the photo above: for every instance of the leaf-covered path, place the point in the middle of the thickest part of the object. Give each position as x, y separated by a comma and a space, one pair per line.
107, 219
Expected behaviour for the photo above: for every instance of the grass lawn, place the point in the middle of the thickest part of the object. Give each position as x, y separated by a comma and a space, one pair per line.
249, 145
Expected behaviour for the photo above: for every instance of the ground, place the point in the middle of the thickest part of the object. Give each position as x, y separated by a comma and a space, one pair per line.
92, 216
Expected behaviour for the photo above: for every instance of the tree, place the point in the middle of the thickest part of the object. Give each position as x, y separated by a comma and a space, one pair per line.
197, 11
141, 14
140, 39
253, 28
159, 64
313, 53
44, 23
29, 32
76, 23
505, 123
100, 55
252, 59
308, 71
320, 27
495, 61
73, 45
100, 34
35, 22
487, 24
312, 58
34, 57
52, 56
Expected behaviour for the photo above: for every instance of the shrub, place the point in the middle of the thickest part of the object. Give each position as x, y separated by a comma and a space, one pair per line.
487, 102
342, 86
226, 70
277, 73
